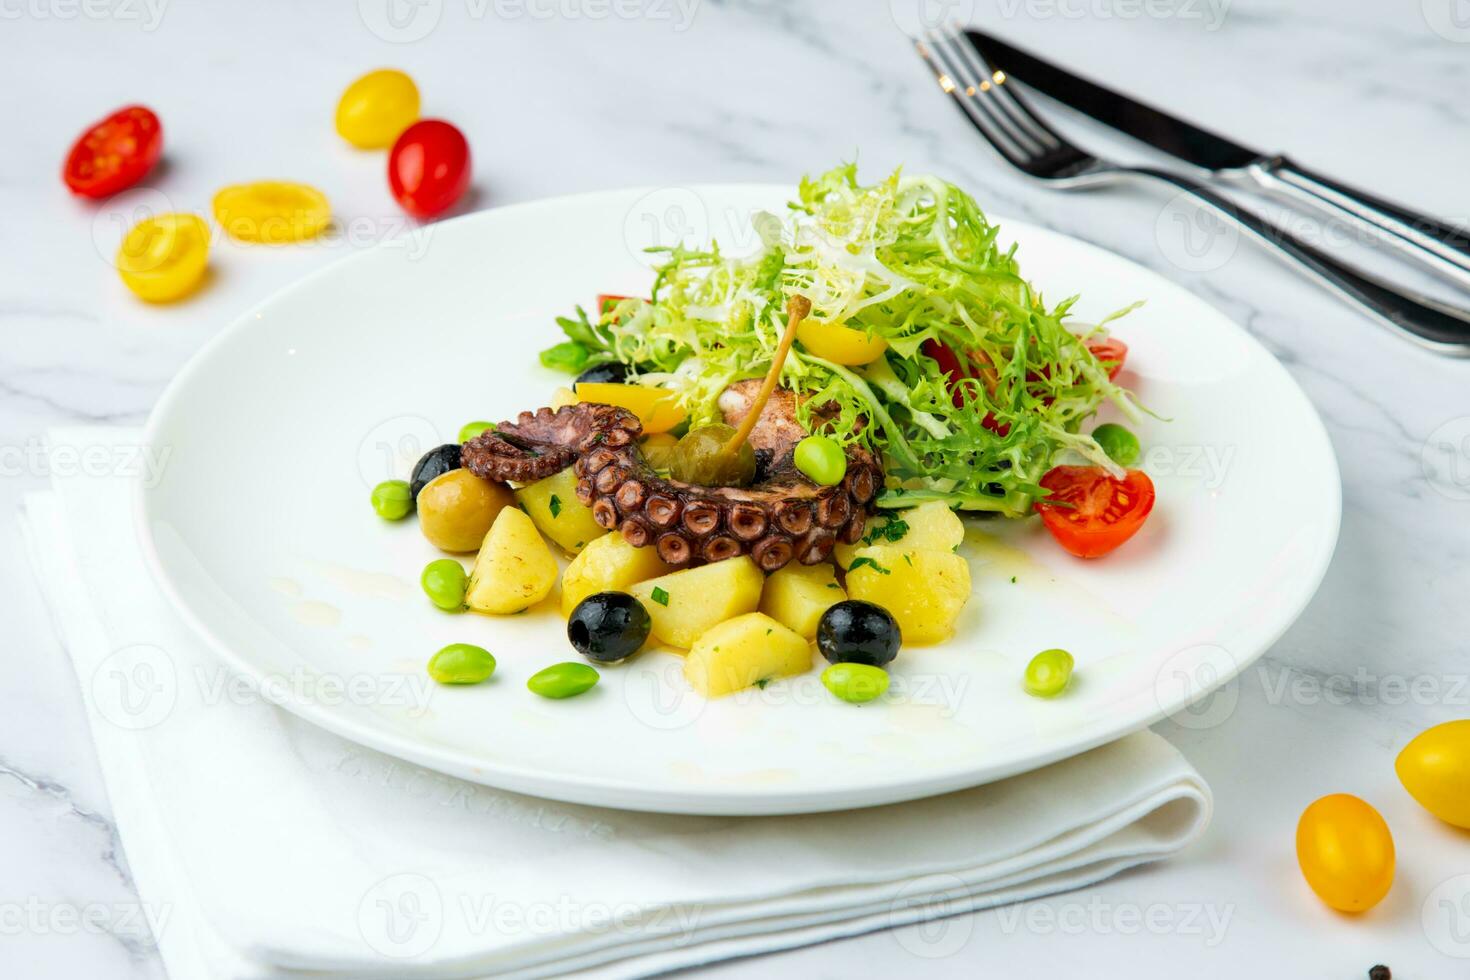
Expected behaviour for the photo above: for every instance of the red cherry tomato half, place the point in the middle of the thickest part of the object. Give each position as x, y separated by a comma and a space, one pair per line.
1111, 351
949, 362
429, 167
1089, 512
114, 154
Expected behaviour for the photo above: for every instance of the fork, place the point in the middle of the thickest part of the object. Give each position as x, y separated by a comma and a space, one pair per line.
993, 106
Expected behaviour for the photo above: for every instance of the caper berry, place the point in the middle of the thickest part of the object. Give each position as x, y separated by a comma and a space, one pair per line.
393, 500
461, 663
700, 458
1120, 444
1048, 673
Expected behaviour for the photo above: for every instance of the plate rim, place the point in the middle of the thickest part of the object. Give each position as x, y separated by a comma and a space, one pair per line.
727, 800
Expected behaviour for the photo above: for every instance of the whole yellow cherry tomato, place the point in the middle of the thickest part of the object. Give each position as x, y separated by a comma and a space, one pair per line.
839, 344
377, 108
272, 211
163, 258
1435, 769
657, 408
1346, 852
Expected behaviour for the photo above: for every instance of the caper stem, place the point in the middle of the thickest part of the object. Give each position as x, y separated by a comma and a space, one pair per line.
797, 308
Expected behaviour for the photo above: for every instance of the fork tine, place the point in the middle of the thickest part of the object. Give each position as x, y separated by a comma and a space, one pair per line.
1014, 153
1004, 93
989, 89
978, 90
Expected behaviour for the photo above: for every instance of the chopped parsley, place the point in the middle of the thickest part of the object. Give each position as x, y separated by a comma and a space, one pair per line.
860, 562
762, 683
659, 596
554, 505
892, 531
908, 558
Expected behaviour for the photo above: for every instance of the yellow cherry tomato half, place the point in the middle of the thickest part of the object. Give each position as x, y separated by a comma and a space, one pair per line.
839, 344
163, 258
658, 409
272, 212
1346, 852
377, 108
1435, 769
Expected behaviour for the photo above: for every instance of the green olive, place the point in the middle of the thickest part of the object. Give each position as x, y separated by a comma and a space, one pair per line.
461, 663
1120, 444
472, 429
393, 500
854, 682
564, 680
444, 583
457, 508
700, 458
1048, 673
821, 459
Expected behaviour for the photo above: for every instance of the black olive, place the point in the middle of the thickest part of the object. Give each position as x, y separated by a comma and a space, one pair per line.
435, 462
610, 373
1380, 972
608, 627
857, 632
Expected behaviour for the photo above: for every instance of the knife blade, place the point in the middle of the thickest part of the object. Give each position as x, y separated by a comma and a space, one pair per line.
1441, 247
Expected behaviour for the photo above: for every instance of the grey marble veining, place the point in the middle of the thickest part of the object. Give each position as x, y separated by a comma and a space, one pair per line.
558, 99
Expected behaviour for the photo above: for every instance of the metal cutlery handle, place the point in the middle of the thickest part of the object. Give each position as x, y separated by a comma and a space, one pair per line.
1440, 247
1435, 325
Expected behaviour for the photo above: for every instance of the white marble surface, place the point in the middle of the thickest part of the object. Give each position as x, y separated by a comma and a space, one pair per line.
566, 95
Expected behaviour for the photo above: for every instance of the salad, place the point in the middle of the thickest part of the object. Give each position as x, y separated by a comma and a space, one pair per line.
774, 449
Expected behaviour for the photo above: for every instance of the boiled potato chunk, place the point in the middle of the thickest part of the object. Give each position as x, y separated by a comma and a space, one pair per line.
796, 596
515, 568
562, 397
553, 505
930, 525
740, 652
923, 589
608, 564
685, 604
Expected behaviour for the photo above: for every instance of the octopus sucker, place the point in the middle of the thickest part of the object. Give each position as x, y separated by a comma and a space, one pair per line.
782, 517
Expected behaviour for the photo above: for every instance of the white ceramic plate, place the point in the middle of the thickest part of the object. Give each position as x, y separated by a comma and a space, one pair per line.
262, 534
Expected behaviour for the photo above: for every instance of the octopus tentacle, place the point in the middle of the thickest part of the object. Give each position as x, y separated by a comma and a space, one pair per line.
784, 518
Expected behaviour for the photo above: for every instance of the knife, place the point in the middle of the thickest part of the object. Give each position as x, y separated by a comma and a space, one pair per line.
1441, 247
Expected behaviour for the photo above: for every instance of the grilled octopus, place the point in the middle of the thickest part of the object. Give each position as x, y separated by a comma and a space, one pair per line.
781, 517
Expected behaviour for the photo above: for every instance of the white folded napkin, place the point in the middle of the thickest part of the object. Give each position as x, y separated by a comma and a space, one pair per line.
264, 847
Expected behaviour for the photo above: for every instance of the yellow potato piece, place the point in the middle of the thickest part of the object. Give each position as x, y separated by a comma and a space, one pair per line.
742, 651
562, 397
515, 569
657, 408
924, 590
931, 526
840, 344
608, 564
552, 503
796, 596
684, 605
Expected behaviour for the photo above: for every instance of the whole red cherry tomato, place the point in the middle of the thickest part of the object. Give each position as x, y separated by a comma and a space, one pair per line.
114, 154
1089, 512
429, 167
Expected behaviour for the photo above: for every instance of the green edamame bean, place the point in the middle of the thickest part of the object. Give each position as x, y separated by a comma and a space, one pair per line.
472, 429
1120, 444
393, 500
855, 683
461, 663
822, 459
565, 680
444, 583
1048, 673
